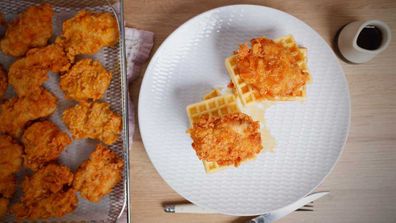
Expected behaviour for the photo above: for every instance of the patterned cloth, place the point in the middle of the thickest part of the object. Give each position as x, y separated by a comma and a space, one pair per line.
138, 44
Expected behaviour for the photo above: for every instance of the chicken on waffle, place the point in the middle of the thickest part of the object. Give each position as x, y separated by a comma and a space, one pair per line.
222, 135
269, 70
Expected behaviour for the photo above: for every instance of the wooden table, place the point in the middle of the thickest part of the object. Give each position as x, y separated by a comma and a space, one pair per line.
363, 184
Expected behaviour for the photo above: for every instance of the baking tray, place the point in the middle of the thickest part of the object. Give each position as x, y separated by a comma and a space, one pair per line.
110, 208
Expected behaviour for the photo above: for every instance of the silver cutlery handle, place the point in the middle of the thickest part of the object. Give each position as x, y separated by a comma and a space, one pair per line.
187, 208
260, 219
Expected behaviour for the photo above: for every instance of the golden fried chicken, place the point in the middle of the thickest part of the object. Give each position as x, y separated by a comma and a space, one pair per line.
10, 163
48, 180
93, 120
47, 193
97, 176
32, 28
7, 186
272, 69
43, 142
87, 32
3, 206
226, 140
3, 82
10, 156
16, 112
29, 73
55, 205
87, 79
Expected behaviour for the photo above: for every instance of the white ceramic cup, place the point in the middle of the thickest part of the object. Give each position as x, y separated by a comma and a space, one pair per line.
348, 36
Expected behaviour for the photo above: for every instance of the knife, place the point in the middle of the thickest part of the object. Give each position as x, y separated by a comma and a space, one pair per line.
282, 212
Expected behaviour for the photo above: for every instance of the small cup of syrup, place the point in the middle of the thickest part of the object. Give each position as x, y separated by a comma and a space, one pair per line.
361, 41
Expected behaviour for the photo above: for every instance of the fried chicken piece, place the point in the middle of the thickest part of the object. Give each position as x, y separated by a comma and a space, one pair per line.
55, 205
7, 190
10, 156
32, 28
48, 180
93, 120
87, 32
98, 175
29, 73
16, 112
7, 186
3, 82
227, 140
87, 79
43, 143
3, 206
46, 194
272, 69
10, 163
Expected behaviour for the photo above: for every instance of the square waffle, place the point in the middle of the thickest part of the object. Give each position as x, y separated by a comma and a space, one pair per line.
213, 106
247, 93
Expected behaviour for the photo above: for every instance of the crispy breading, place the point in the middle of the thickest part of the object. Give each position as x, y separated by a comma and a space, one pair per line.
3, 206
227, 140
29, 73
10, 156
46, 193
32, 28
98, 175
271, 69
16, 112
10, 163
3, 82
43, 142
7, 186
87, 79
55, 205
93, 120
87, 32
46, 181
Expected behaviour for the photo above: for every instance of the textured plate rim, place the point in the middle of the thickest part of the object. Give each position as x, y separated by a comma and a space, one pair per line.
158, 52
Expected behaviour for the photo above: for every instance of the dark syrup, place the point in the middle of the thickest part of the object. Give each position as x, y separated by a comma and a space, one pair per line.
370, 38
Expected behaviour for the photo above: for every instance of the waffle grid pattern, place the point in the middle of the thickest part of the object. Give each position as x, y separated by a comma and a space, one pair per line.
214, 107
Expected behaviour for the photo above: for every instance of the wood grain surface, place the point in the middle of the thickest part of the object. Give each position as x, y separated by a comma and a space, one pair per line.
363, 184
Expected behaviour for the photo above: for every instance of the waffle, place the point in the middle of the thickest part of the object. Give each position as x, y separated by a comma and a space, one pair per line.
247, 93
212, 94
215, 106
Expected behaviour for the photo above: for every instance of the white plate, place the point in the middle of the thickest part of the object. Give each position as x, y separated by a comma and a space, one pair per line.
310, 134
